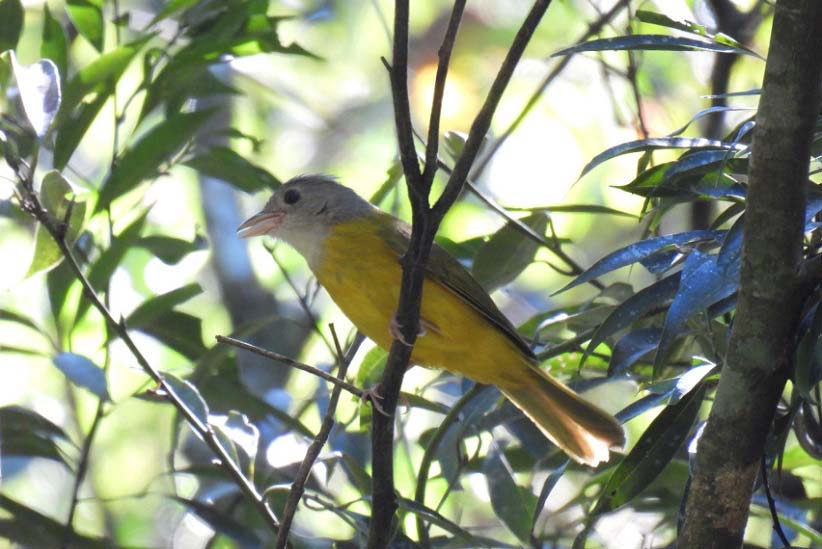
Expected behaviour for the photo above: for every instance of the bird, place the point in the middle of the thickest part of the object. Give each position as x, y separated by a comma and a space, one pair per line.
353, 249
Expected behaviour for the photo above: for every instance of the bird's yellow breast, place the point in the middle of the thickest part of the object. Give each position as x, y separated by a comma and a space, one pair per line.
362, 274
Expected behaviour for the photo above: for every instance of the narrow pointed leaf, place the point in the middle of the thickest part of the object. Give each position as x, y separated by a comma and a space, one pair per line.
87, 16
638, 252
655, 143
632, 309
652, 452
157, 305
513, 504
146, 157
54, 44
631, 347
225, 164
653, 42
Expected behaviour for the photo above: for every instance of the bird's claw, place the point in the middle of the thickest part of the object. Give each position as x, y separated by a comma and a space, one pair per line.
373, 396
395, 329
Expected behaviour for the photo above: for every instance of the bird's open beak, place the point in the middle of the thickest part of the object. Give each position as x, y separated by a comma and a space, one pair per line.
260, 224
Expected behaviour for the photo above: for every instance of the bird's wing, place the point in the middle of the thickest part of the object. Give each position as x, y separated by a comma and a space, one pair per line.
446, 270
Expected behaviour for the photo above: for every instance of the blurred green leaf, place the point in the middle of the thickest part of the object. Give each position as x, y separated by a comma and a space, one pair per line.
652, 452
87, 16
157, 305
27, 434
189, 395
369, 375
75, 125
53, 192
513, 504
53, 43
225, 164
101, 271
11, 23
39, 87
220, 521
31, 528
574, 208
12, 316
179, 331
507, 253
547, 488
84, 373
101, 73
171, 250
145, 158
433, 517
653, 42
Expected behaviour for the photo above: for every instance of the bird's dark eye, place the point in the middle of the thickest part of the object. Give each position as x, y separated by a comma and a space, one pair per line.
291, 196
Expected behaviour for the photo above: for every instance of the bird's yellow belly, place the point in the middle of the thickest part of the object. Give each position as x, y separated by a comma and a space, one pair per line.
363, 276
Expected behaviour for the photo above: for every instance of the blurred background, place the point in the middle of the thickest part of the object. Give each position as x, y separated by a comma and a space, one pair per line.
327, 108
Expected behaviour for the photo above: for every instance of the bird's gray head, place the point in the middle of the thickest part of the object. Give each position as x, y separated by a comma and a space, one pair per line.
301, 211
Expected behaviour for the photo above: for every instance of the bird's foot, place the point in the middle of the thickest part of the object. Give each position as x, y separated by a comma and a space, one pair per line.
395, 329
372, 395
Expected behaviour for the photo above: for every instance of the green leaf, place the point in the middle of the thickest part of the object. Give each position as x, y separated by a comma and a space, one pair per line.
83, 373
655, 143
513, 504
101, 73
180, 331
653, 42
12, 316
171, 250
87, 16
53, 191
103, 268
53, 43
27, 434
694, 28
145, 158
223, 163
368, 375
189, 395
157, 305
30, 528
39, 87
75, 125
435, 518
221, 522
11, 23
574, 208
507, 253
652, 452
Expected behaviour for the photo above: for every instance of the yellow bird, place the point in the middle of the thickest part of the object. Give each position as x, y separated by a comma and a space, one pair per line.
353, 248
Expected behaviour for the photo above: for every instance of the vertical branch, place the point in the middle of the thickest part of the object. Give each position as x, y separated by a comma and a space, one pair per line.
316, 446
444, 53
760, 351
425, 221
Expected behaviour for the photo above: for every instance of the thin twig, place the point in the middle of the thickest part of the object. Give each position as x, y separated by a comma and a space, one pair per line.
203, 430
298, 485
290, 362
444, 53
593, 29
777, 526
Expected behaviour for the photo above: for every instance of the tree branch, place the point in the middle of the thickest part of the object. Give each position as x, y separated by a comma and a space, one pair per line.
203, 430
761, 348
298, 485
337, 381
425, 221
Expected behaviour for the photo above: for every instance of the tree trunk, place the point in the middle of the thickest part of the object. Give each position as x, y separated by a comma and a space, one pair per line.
760, 353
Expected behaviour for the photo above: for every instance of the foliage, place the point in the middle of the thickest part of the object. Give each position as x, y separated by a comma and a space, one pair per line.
655, 348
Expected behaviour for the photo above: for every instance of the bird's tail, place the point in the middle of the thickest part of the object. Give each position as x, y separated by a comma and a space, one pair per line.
579, 428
